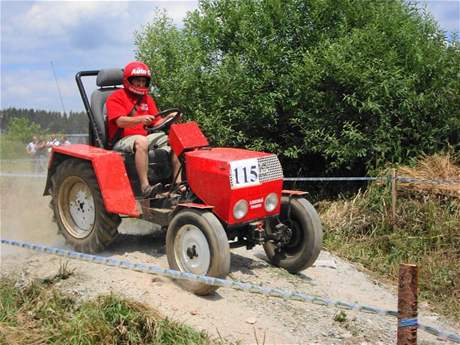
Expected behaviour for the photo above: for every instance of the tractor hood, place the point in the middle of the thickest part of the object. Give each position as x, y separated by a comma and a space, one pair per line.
221, 177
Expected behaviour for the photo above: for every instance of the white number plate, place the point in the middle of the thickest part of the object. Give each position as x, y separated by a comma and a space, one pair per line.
244, 173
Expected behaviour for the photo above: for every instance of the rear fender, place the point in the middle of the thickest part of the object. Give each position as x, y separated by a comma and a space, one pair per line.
110, 172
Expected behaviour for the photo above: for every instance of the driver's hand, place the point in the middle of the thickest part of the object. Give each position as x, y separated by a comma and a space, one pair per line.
146, 120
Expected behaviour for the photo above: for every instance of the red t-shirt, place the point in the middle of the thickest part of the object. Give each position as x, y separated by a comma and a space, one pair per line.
120, 103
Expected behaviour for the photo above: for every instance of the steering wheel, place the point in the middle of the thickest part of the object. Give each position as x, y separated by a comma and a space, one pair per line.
167, 120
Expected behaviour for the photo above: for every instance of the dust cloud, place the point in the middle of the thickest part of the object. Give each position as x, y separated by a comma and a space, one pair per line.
25, 215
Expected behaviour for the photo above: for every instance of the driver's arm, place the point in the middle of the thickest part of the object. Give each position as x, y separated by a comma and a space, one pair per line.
128, 121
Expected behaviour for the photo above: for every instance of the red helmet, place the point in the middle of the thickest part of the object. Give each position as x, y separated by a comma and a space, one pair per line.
136, 69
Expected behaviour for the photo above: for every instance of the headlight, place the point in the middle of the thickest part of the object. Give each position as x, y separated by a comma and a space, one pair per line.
271, 201
240, 210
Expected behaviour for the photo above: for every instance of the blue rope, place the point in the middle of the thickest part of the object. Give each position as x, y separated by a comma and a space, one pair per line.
408, 323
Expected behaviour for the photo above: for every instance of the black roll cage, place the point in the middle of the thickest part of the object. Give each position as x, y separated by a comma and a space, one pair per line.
95, 137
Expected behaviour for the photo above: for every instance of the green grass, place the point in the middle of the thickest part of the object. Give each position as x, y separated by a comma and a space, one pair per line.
426, 232
14, 159
10, 149
16, 151
40, 314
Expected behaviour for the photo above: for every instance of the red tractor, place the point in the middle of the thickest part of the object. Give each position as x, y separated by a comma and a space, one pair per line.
229, 197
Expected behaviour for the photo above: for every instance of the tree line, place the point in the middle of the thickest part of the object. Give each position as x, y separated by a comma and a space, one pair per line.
47, 121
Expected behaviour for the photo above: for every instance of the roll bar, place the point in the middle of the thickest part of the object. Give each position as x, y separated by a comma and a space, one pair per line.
94, 129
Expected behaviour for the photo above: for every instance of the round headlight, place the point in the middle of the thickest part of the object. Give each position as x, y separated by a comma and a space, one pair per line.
240, 210
271, 201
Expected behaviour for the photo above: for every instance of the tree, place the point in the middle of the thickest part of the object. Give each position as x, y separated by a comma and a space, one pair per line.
50, 121
21, 129
331, 86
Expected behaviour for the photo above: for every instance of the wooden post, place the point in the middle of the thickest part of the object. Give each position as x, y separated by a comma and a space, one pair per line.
393, 196
407, 305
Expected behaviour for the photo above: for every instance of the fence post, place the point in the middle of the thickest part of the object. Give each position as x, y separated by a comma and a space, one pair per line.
407, 305
393, 196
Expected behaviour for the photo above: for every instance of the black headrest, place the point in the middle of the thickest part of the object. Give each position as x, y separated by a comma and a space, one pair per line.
109, 77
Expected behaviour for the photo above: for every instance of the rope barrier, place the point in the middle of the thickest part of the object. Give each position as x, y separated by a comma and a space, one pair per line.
402, 179
233, 284
305, 179
427, 181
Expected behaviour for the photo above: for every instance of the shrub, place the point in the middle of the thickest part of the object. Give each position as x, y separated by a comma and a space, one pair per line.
330, 86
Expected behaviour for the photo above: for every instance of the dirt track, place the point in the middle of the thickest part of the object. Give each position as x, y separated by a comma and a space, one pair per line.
228, 313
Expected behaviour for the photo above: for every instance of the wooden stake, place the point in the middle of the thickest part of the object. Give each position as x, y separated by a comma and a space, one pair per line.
393, 196
407, 305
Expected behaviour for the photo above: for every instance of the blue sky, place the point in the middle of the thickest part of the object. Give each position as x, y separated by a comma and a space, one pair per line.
91, 35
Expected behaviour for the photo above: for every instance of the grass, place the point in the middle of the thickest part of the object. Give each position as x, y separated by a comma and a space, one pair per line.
11, 148
426, 232
13, 157
37, 313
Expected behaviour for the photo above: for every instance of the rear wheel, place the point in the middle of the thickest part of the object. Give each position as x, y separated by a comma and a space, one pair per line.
79, 209
196, 242
306, 238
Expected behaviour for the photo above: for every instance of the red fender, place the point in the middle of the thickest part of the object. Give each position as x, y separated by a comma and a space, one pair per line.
294, 193
110, 172
195, 205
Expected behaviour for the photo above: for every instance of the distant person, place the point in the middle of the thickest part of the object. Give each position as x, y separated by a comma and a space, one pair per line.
31, 147
41, 154
53, 141
64, 141
31, 150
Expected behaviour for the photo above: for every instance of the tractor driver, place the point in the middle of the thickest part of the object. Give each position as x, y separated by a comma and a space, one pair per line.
129, 110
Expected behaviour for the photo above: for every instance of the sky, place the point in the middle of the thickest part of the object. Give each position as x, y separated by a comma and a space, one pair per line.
71, 36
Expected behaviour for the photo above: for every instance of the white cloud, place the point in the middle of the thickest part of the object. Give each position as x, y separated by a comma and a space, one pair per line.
178, 10
62, 28
53, 18
74, 35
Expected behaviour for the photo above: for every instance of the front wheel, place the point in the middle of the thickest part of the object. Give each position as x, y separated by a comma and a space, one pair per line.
79, 209
196, 242
306, 236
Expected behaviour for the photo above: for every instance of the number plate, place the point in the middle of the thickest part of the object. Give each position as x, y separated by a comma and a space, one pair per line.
244, 173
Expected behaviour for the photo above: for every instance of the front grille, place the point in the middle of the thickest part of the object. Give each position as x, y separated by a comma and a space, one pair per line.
270, 168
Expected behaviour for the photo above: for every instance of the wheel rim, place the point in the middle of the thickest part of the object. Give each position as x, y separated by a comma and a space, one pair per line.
192, 250
295, 242
296, 238
76, 206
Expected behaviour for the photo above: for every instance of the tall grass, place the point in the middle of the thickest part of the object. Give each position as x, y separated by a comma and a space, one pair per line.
426, 232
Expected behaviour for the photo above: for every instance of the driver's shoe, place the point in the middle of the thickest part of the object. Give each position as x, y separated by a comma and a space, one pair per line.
150, 191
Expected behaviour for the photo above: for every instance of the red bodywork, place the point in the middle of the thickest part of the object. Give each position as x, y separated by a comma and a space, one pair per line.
186, 136
220, 177
110, 173
209, 174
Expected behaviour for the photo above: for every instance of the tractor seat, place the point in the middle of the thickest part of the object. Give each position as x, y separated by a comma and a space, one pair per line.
107, 81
